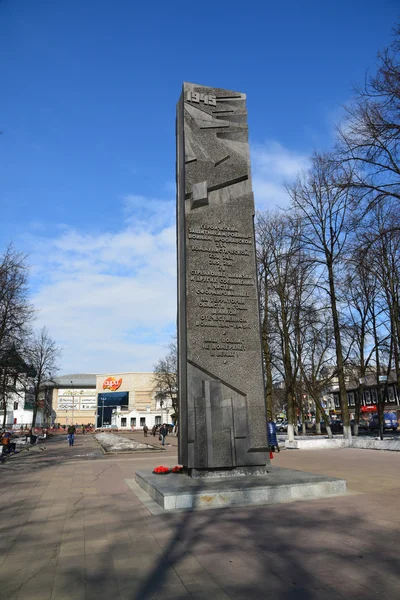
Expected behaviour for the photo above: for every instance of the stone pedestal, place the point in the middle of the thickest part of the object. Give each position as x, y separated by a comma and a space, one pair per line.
173, 492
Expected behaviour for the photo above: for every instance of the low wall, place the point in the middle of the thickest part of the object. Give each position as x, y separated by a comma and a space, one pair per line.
375, 444
316, 444
356, 442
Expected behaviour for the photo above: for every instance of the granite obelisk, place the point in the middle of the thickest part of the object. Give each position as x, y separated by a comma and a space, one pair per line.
223, 425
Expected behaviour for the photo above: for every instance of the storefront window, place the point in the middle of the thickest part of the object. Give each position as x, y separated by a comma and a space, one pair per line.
133, 421
123, 422
142, 421
158, 420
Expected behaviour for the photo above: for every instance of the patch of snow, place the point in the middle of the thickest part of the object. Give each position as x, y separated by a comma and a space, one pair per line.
113, 442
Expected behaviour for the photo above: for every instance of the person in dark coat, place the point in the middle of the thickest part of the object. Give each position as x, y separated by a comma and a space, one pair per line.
273, 440
163, 433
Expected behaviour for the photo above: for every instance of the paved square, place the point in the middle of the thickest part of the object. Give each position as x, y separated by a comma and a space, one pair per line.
71, 527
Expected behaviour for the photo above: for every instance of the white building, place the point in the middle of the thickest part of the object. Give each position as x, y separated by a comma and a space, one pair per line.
20, 408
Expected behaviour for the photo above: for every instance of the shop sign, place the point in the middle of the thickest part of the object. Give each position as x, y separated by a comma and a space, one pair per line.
76, 392
111, 383
367, 409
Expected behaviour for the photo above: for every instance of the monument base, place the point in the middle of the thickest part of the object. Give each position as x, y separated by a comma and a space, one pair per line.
227, 472
177, 491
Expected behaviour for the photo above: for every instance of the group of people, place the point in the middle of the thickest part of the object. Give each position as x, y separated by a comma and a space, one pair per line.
83, 427
162, 430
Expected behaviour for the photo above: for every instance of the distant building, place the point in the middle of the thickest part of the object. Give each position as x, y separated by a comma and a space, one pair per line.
19, 405
122, 400
369, 398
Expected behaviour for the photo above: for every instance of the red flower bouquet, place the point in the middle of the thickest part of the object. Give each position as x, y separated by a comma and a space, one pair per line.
177, 469
161, 471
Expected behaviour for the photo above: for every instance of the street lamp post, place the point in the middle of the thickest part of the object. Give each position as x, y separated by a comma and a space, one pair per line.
73, 403
161, 407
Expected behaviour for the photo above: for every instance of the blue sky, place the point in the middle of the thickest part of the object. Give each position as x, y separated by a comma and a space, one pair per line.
87, 155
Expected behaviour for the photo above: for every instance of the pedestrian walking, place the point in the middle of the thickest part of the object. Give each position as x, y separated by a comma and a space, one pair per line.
272, 439
71, 434
163, 433
153, 431
145, 430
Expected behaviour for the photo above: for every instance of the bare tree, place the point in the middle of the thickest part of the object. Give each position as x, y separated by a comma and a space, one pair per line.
43, 355
265, 264
14, 374
166, 377
285, 287
369, 139
322, 198
15, 310
315, 349
383, 243
359, 287
15, 317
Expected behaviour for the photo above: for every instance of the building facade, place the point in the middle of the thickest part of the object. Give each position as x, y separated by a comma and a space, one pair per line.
19, 407
74, 399
119, 400
367, 395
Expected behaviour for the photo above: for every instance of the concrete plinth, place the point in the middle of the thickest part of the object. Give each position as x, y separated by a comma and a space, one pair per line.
177, 491
317, 444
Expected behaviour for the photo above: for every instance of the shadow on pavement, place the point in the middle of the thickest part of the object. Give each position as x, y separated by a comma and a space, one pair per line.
76, 530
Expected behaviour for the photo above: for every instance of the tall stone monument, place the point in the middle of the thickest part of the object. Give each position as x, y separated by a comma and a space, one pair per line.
222, 415
223, 423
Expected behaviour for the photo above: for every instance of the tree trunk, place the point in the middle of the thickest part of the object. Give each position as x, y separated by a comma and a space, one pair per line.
323, 414
267, 355
303, 414
3, 395
381, 410
290, 416
379, 398
289, 383
34, 413
358, 397
339, 355
317, 420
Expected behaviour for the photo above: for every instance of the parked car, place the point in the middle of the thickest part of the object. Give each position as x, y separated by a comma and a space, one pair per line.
282, 426
323, 426
389, 422
336, 426
362, 425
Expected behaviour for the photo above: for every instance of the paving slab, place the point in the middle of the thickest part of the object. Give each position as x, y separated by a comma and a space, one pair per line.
331, 548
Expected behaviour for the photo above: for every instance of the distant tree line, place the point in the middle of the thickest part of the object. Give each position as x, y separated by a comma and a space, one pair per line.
329, 266
28, 359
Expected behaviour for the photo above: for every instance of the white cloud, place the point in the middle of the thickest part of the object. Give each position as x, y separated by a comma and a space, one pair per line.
273, 166
109, 299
